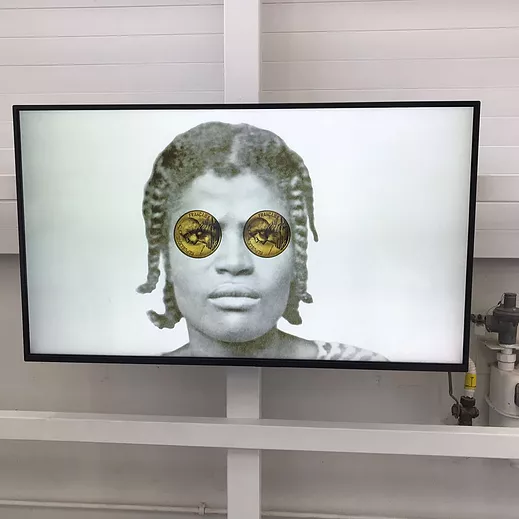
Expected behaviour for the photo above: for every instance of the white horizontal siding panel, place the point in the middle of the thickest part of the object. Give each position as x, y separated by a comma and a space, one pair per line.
371, 16
488, 244
492, 161
8, 241
497, 216
124, 97
491, 188
6, 134
394, 74
199, 48
498, 188
112, 78
6, 161
100, 4
490, 215
494, 131
7, 187
496, 102
8, 215
326, 1
496, 244
499, 131
499, 160
497, 234
111, 22
448, 44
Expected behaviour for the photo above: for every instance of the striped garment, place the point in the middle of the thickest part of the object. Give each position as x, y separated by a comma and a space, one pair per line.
338, 351
324, 351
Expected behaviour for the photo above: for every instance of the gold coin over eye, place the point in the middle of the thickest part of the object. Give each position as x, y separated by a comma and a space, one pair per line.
266, 234
197, 234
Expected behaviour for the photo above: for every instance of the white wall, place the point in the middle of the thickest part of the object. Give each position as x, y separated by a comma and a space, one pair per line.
424, 488
365, 50
106, 51
66, 66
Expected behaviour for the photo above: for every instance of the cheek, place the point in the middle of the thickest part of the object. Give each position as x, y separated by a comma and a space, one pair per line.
286, 263
184, 271
276, 273
187, 277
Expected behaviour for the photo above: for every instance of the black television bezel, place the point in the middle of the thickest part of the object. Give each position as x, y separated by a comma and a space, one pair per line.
238, 361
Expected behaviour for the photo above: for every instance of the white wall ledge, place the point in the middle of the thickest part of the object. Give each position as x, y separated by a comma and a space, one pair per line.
417, 440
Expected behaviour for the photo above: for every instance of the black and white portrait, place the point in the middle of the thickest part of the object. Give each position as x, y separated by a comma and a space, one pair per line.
233, 299
273, 234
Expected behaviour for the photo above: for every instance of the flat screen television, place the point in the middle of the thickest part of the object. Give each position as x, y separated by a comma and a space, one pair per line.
291, 235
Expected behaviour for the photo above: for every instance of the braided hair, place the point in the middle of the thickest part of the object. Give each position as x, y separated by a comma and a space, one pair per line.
226, 150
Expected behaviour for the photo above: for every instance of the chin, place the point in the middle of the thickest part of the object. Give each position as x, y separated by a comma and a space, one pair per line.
237, 331
236, 335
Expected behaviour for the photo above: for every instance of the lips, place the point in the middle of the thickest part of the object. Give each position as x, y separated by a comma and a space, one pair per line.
232, 290
237, 298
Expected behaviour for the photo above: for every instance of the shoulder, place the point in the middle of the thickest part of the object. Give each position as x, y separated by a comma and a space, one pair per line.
299, 348
183, 351
339, 351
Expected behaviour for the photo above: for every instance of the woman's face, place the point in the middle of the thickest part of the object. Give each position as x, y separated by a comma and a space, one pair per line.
231, 295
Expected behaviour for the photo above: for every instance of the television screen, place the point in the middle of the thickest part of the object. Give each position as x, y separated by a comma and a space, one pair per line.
300, 235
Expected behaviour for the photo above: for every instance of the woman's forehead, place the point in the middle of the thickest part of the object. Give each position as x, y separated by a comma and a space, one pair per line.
241, 195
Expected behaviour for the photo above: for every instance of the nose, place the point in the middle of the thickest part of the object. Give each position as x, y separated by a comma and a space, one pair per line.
232, 256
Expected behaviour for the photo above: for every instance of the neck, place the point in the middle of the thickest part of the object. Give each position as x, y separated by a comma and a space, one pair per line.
204, 346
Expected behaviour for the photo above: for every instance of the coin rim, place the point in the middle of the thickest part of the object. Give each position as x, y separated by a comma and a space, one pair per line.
289, 233
175, 231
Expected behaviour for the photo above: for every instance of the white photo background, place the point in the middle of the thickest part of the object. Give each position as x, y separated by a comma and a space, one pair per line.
391, 188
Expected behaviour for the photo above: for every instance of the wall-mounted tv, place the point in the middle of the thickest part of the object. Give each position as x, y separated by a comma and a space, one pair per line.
292, 235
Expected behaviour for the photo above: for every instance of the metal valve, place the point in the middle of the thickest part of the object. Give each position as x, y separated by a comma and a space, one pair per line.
504, 319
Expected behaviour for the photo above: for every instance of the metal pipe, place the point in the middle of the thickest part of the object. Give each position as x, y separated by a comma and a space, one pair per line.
301, 515
451, 390
64, 505
200, 510
470, 379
